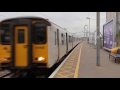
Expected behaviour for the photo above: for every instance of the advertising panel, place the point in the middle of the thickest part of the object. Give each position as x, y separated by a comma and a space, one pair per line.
108, 35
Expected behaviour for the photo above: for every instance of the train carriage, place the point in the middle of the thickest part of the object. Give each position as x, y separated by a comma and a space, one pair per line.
28, 42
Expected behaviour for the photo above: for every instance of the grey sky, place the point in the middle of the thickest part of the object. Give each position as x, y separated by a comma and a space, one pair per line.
72, 21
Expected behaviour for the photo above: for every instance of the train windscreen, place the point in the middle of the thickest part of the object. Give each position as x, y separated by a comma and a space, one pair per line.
40, 33
5, 34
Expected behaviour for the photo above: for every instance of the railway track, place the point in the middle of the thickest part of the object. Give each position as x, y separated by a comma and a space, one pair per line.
5, 74
14, 74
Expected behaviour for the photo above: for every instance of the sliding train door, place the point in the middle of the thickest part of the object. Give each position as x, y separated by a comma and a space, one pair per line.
21, 46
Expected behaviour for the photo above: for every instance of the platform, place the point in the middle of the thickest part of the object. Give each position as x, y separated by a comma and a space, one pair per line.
81, 63
69, 67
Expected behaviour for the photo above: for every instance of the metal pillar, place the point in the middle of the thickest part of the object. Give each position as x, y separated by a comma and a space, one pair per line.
98, 39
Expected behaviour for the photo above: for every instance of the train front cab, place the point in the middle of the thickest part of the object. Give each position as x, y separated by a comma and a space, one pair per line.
29, 44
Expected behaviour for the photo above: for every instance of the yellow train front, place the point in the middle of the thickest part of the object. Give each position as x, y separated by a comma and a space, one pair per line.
33, 42
27, 46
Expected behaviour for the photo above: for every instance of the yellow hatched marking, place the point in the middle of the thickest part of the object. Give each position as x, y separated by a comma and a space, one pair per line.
68, 69
78, 63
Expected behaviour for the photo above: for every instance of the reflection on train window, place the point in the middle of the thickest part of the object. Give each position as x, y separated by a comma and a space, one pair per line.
5, 34
40, 35
21, 36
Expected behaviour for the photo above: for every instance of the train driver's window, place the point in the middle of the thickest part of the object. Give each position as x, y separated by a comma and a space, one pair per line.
5, 34
40, 33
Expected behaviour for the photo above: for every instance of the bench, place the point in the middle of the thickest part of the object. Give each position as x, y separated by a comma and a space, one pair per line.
115, 56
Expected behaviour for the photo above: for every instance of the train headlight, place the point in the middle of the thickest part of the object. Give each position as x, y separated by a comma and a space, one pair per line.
6, 58
41, 58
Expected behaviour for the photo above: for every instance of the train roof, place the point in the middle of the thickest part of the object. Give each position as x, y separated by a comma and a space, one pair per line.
32, 18
26, 17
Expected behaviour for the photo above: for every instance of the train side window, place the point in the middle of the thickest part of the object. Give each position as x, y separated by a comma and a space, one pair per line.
62, 38
69, 39
55, 37
40, 33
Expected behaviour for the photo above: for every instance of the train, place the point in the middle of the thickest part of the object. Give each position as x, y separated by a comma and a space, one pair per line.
33, 42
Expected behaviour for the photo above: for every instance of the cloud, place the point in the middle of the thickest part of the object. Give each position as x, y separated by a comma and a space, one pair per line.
73, 21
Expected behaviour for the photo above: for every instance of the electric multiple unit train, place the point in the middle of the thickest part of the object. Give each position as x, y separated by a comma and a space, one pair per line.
27, 42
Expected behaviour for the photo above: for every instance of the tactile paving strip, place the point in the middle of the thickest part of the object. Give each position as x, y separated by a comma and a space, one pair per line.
68, 68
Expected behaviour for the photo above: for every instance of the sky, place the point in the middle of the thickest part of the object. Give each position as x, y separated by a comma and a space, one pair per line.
72, 21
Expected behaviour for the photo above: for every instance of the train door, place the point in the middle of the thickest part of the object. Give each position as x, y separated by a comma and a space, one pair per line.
21, 45
66, 42
58, 43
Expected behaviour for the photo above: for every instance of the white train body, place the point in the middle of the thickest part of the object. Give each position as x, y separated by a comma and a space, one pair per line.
60, 42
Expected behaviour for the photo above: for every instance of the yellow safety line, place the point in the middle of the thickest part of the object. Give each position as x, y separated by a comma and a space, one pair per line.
78, 63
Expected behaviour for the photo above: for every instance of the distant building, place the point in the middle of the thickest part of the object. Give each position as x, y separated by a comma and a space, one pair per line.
110, 16
116, 26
